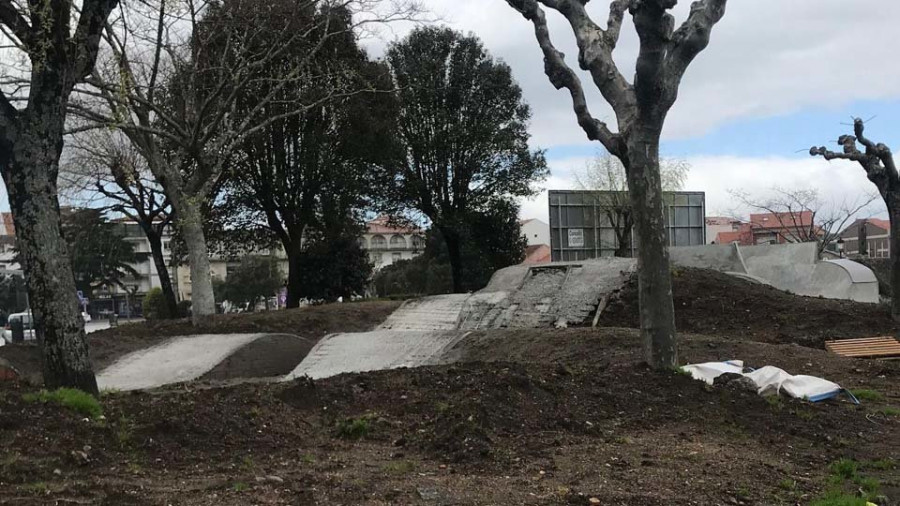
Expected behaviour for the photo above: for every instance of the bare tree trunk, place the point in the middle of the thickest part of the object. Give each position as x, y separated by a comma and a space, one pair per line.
30, 178
190, 221
894, 215
293, 250
654, 279
162, 271
454, 250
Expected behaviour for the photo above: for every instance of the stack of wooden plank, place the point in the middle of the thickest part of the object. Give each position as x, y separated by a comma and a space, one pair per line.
867, 347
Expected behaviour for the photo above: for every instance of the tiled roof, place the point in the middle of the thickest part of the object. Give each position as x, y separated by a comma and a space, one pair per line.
381, 225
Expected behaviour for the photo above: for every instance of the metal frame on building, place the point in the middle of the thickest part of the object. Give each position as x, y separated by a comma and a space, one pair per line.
580, 229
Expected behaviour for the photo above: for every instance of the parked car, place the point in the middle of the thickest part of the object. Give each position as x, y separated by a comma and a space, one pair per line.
27, 324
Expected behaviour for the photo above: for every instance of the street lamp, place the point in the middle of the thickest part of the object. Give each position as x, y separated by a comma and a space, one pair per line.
840, 246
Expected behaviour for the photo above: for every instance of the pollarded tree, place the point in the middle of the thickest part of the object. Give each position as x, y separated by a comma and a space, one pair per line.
462, 126
31, 141
878, 162
640, 108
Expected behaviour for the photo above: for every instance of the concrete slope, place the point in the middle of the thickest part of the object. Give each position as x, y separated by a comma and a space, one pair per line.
372, 351
791, 267
438, 312
178, 359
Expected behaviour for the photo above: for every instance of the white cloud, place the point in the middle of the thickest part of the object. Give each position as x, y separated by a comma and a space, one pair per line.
766, 57
836, 181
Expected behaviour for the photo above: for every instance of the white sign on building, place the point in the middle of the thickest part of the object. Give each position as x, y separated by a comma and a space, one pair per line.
576, 237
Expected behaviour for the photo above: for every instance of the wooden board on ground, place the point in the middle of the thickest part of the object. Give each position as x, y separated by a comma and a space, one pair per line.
869, 347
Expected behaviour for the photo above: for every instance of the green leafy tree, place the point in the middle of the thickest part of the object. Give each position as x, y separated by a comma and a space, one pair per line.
492, 240
101, 257
462, 129
256, 278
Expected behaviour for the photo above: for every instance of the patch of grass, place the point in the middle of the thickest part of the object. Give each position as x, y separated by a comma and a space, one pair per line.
76, 400
890, 411
38, 487
839, 499
804, 414
787, 484
400, 467
775, 402
441, 406
239, 486
865, 394
681, 371
247, 463
124, 431
882, 464
355, 428
846, 469
308, 458
109, 391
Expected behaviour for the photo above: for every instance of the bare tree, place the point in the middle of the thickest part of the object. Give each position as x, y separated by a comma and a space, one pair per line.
801, 215
106, 166
606, 175
31, 141
878, 162
640, 109
176, 71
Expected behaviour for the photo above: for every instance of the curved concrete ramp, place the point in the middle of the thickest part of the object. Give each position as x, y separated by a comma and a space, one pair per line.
373, 351
173, 361
791, 267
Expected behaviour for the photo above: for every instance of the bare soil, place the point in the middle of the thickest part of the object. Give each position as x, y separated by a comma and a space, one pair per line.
311, 323
713, 303
544, 417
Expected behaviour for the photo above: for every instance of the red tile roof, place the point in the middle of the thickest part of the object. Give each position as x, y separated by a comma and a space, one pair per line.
381, 225
803, 219
6, 224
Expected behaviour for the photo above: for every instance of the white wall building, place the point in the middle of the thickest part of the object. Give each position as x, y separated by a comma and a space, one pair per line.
535, 231
387, 244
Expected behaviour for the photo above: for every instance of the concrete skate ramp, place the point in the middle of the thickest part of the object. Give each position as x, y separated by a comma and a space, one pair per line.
791, 267
375, 350
421, 330
173, 361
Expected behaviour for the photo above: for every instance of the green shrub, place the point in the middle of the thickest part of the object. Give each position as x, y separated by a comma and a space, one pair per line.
76, 400
154, 305
354, 428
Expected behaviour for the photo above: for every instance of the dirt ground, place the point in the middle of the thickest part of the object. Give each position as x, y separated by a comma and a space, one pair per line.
312, 323
713, 303
526, 416
544, 417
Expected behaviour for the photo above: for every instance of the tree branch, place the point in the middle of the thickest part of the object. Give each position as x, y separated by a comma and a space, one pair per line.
17, 24
562, 76
86, 41
691, 38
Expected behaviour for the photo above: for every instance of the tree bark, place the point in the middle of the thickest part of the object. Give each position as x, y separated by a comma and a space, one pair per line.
894, 215
190, 220
162, 271
657, 311
30, 176
454, 250
293, 250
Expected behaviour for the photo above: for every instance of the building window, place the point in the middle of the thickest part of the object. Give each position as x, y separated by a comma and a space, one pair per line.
398, 242
165, 245
396, 256
379, 242
363, 243
418, 242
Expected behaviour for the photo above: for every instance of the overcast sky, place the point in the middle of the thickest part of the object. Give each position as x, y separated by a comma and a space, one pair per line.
777, 77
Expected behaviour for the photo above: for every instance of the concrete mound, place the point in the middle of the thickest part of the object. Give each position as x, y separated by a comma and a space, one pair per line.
173, 361
422, 330
794, 268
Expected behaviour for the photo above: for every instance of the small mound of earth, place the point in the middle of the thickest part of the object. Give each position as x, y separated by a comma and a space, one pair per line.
717, 304
266, 357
